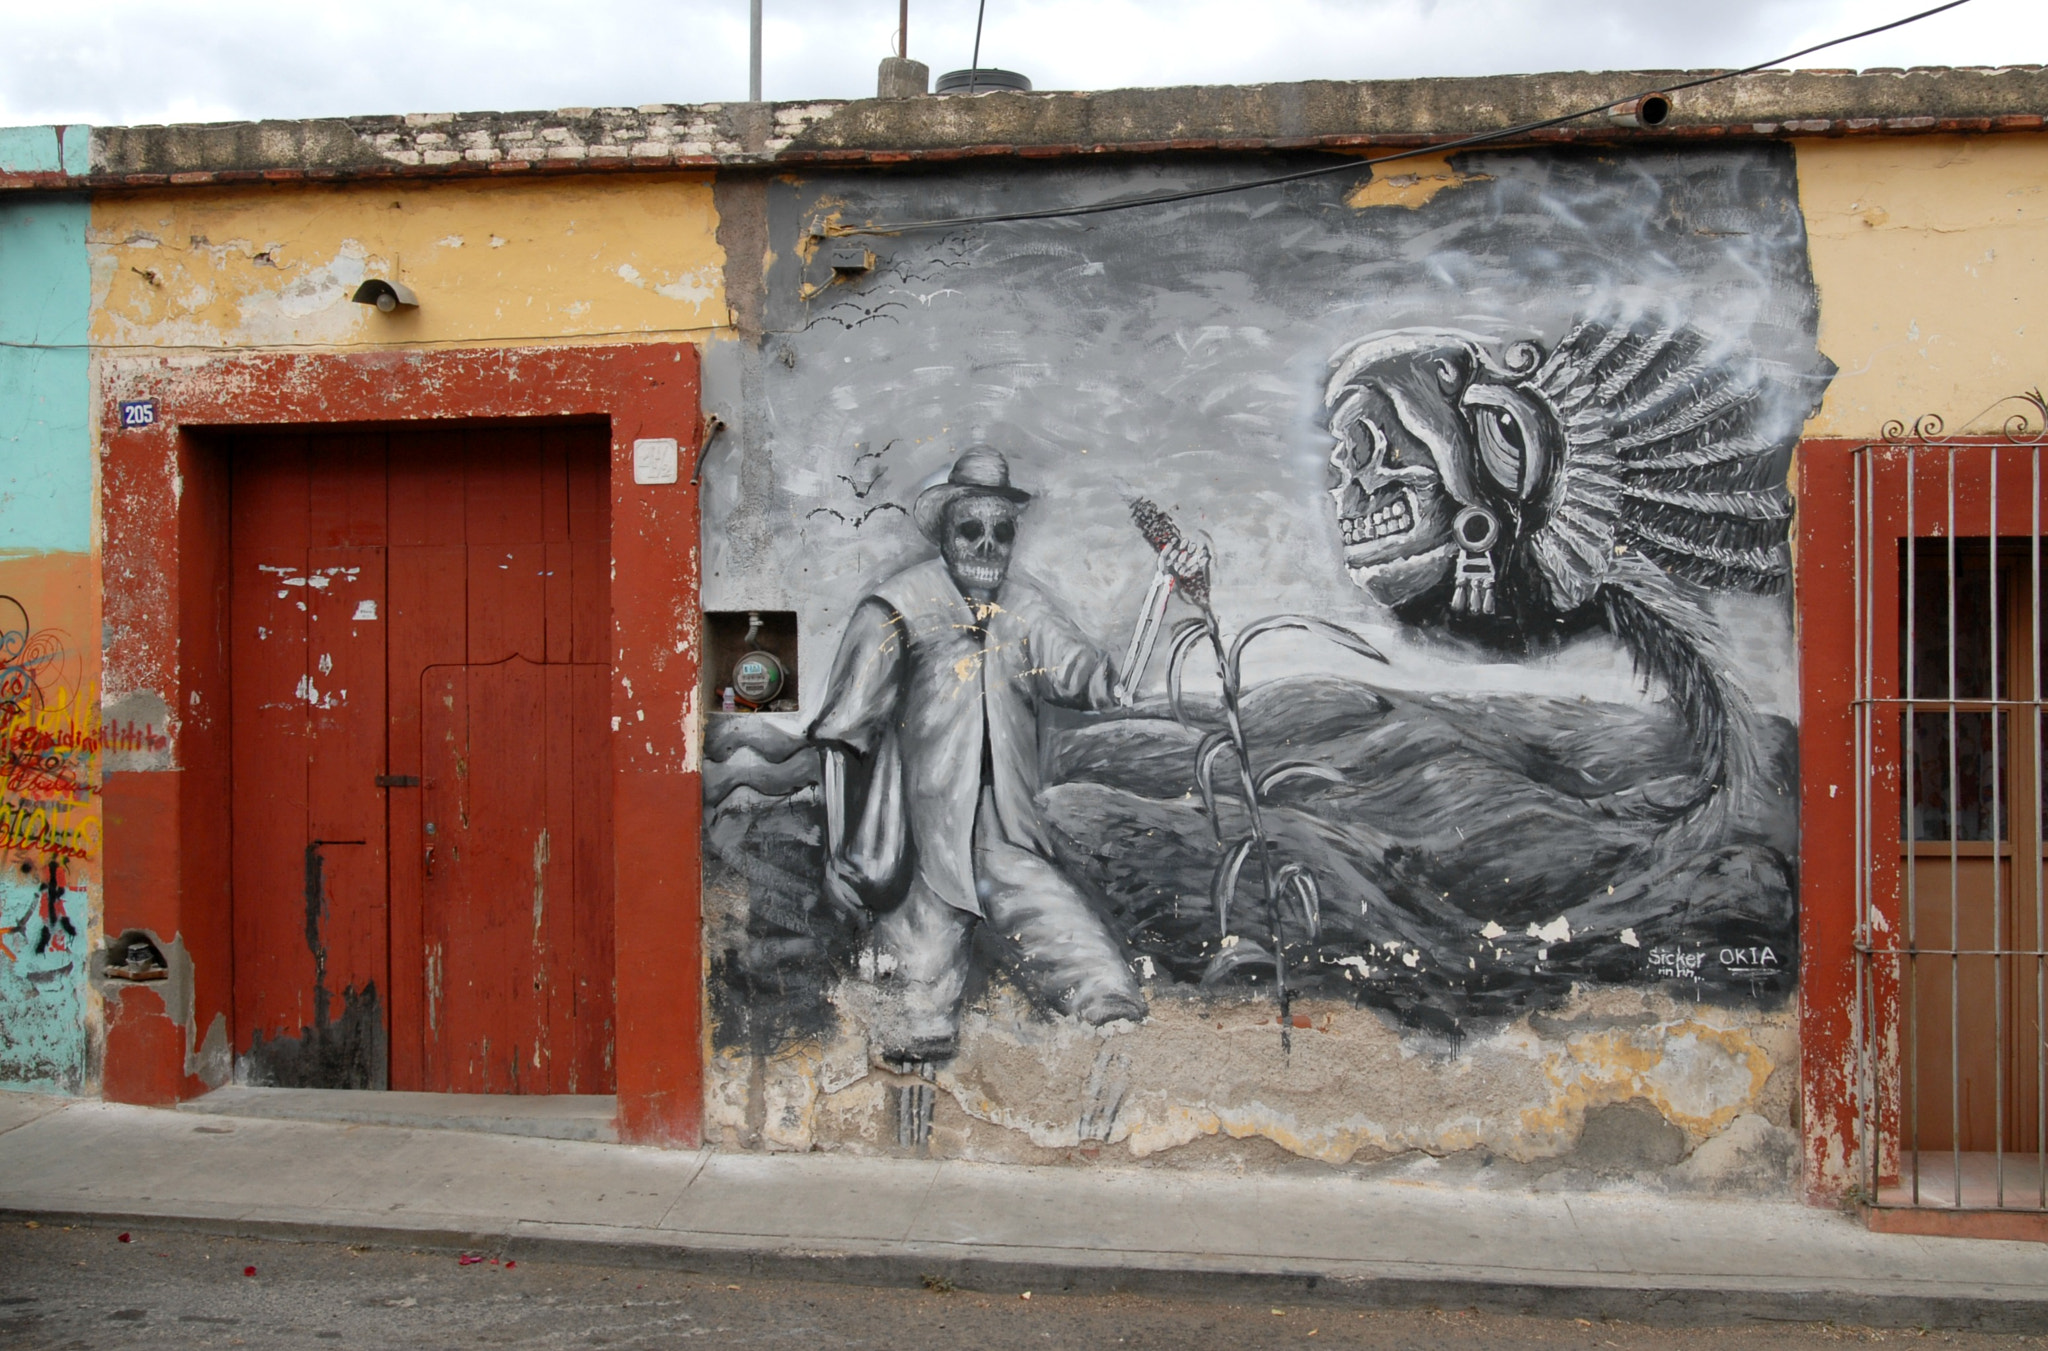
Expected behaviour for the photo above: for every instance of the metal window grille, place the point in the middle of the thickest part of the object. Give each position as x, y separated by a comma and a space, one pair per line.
1952, 816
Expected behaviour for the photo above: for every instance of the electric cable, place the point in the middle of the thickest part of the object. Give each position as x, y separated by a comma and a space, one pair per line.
1349, 165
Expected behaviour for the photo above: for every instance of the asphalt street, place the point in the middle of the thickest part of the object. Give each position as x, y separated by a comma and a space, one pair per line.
92, 1288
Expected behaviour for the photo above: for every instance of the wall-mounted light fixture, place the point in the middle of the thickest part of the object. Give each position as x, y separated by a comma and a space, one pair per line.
386, 295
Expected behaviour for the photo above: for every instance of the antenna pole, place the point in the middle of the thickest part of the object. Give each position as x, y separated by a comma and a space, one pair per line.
974, 68
903, 29
754, 53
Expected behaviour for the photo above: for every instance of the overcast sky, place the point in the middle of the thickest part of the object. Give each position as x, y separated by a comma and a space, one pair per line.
137, 61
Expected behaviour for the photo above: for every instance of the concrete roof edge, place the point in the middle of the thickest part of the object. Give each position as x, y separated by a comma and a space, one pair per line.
1306, 115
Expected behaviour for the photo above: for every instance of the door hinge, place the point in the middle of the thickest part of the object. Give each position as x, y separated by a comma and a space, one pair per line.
398, 780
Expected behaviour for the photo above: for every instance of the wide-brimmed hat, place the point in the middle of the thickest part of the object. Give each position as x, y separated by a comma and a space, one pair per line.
981, 471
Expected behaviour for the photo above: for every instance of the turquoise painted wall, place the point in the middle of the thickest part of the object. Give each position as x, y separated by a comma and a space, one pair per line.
45, 150
49, 771
45, 374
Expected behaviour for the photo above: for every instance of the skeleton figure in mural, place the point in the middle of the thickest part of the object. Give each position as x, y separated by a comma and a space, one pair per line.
1516, 496
929, 735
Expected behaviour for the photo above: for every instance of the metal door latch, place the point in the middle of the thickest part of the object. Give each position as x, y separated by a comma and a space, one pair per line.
398, 780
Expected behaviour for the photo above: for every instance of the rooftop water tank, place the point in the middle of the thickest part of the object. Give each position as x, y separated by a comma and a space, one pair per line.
981, 81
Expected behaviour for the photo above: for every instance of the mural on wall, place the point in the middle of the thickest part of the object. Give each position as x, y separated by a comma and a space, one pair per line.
1289, 595
1525, 495
49, 833
935, 700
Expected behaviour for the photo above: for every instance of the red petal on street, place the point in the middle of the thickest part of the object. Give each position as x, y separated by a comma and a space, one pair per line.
248, 1271
510, 1265
125, 1238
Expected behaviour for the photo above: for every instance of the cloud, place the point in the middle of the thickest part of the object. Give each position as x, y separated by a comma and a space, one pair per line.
137, 61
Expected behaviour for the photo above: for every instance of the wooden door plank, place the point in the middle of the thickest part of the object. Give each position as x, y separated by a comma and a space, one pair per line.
426, 492
269, 496
505, 511
269, 616
479, 905
427, 599
444, 761
507, 602
592, 957
345, 700
558, 445
587, 452
348, 501
504, 501
559, 600
555, 899
589, 476
503, 1008
514, 915
590, 515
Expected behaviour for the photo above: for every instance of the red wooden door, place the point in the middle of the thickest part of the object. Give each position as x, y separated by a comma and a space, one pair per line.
440, 698
311, 965
516, 834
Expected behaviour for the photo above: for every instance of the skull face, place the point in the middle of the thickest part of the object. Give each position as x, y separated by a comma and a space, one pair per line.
1398, 438
1427, 425
981, 532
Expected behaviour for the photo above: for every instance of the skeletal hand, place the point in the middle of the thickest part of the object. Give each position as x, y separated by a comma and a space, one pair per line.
841, 893
1188, 562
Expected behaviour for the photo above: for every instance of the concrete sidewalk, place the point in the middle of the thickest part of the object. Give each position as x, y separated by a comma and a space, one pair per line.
892, 1221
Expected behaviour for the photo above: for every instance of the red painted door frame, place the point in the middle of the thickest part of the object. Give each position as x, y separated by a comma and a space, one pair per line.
1824, 587
1826, 590
164, 506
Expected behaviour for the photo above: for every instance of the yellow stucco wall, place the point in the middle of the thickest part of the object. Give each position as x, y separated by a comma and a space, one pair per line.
492, 262
1931, 255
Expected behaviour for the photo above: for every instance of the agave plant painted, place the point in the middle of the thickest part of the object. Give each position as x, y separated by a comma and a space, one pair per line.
1283, 883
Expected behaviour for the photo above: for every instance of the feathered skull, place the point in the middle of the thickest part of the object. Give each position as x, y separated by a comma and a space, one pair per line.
1442, 454
1606, 481
1469, 470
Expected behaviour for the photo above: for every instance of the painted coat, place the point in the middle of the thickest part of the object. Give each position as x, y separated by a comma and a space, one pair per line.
921, 685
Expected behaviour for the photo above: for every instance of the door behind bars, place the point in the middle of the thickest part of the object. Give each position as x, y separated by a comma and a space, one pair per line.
1971, 671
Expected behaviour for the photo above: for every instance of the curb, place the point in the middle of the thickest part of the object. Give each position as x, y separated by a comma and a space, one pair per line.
969, 1267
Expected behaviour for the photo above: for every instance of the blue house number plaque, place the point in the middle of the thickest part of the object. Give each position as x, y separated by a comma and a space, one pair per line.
138, 413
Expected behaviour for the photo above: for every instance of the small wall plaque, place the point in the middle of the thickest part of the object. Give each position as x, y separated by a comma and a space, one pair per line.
654, 460
138, 413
